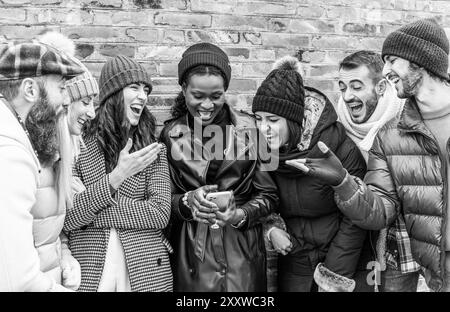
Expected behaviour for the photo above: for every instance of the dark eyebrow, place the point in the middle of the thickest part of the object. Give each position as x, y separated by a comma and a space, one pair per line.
356, 80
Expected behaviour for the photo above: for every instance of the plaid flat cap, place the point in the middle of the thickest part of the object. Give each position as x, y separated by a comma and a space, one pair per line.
33, 59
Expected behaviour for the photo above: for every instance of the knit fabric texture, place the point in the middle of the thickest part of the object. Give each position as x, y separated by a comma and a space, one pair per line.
118, 73
281, 93
423, 42
204, 53
82, 86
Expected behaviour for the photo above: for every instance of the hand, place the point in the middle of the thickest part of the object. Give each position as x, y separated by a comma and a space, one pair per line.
77, 186
329, 169
281, 241
130, 164
71, 272
231, 215
201, 208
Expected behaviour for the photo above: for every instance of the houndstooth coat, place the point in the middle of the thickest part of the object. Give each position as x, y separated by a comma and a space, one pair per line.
139, 211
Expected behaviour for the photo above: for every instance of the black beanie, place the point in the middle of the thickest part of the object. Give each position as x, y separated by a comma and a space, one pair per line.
118, 73
423, 42
204, 53
282, 92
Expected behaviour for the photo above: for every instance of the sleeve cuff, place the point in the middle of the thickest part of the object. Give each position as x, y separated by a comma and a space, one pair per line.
347, 188
110, 200
183, 211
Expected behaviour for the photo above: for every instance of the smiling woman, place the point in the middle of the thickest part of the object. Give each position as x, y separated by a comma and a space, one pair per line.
123, 204
215, 250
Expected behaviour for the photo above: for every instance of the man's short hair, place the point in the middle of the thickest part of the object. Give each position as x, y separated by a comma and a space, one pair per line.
371, 59
9, 89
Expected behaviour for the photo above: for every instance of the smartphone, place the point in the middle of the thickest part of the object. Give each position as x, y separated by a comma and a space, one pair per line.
221, 199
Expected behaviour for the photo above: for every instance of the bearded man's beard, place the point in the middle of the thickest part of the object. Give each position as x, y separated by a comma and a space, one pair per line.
41, 125
411, 83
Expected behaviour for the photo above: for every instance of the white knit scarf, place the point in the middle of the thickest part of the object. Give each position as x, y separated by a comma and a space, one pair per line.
389, 105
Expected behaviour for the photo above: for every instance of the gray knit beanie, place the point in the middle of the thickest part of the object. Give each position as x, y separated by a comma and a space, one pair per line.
118, 73
423, 42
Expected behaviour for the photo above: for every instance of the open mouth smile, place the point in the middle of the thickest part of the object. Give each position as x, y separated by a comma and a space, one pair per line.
136, 108
355, 107
205, 115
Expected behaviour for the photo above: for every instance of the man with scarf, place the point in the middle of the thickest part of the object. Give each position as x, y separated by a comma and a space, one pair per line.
407, 184
367, 103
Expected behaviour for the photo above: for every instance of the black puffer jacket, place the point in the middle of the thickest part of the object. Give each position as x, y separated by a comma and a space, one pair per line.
308, 206
227, 259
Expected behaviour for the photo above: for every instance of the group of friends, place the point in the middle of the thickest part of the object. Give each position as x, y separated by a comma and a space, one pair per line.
91, 199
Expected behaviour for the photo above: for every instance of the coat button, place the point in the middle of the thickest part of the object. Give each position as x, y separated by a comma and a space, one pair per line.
223, 271
159, 261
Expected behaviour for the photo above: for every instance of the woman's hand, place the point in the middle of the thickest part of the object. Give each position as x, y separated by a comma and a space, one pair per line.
130, 164
231, 215
77, 186
281, 241
201, 208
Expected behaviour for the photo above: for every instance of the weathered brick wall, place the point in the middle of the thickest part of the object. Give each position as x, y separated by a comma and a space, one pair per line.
253, 32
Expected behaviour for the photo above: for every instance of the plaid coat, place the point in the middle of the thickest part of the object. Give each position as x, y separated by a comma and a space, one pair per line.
139, 211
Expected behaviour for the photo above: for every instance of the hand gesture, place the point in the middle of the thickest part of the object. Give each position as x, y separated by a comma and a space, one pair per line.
329, 169
71, 272
281, 241
201, 208
231, 215
130, 164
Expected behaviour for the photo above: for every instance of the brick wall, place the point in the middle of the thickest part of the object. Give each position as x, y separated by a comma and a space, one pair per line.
254, 33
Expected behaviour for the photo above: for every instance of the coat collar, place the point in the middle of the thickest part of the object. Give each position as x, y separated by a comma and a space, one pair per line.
240, 120
241, 133
411, 120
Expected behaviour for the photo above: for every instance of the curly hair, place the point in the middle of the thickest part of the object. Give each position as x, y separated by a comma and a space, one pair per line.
180, 109
111, 129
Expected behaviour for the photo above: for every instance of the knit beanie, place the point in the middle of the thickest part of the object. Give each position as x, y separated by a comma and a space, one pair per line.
204, 53
82, 86
423, 42
282, 92
118, 73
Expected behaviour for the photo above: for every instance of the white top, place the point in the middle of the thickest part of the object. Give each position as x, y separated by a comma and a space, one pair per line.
115, 272
19, 178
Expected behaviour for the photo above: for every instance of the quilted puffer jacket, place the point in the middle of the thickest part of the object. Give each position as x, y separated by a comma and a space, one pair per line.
405, 176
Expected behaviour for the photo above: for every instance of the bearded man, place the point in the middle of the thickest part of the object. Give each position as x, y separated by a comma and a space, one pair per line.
407, 183
35, 166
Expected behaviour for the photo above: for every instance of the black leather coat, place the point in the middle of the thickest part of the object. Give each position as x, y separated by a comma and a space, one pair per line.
227, 259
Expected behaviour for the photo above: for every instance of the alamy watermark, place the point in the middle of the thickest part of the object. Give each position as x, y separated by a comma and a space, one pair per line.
235, 144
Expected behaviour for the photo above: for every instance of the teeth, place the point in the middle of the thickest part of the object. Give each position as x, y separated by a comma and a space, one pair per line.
136, 108
204, 115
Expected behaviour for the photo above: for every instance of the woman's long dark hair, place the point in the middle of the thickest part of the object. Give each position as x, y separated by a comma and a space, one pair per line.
180, 109
295, 135
112, 129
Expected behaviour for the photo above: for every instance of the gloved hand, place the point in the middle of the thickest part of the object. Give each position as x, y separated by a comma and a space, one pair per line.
329, 169
71, 271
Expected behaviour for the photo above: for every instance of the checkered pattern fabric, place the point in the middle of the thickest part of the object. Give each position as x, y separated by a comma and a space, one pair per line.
32, 59
139, 211
402, 257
